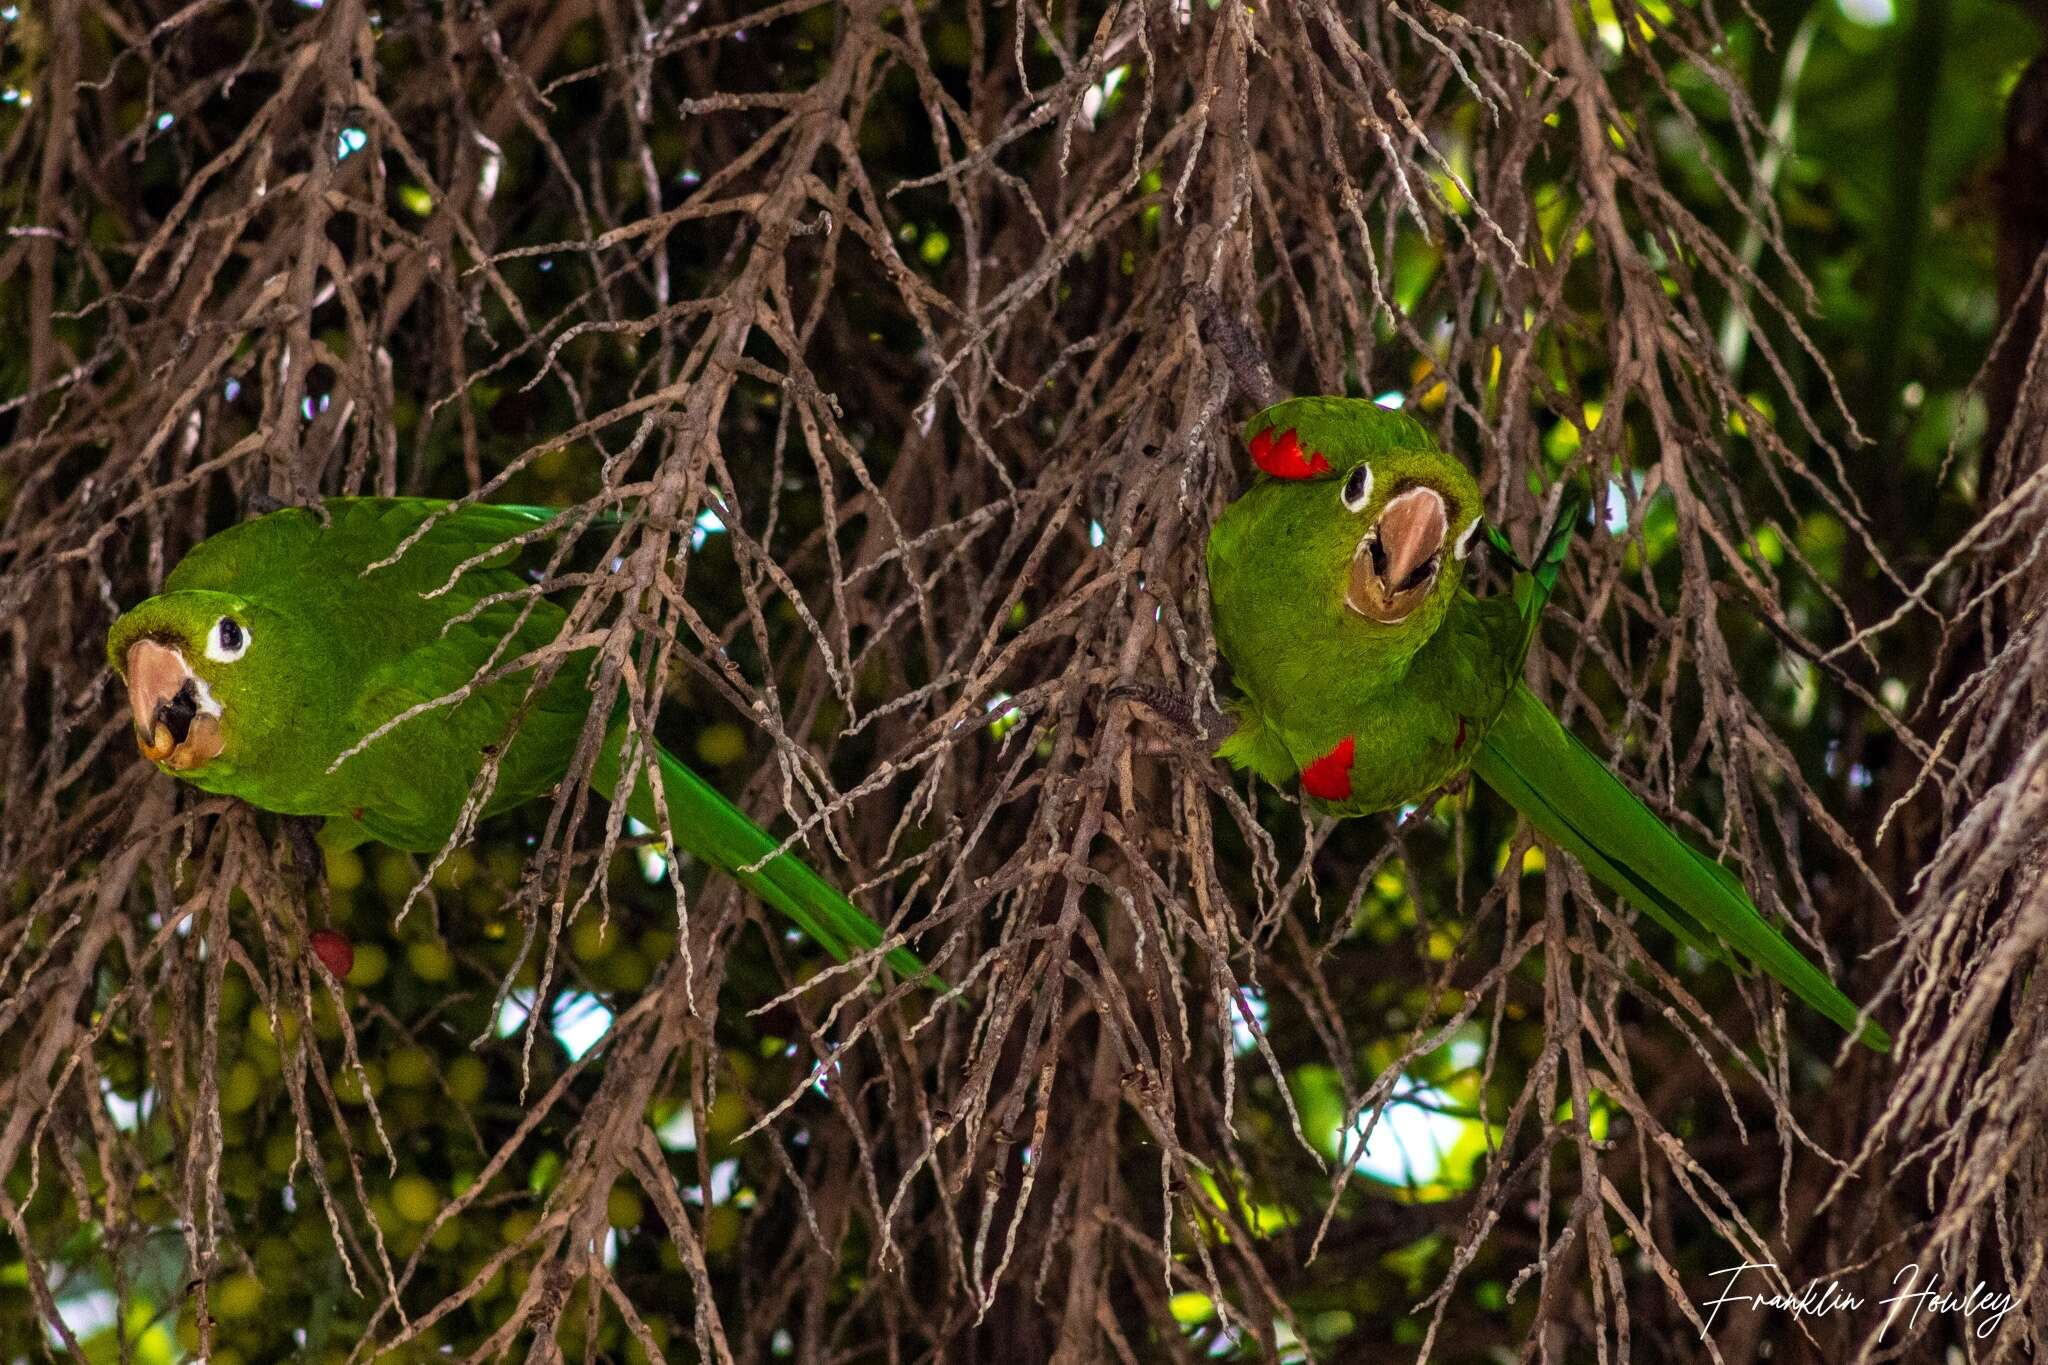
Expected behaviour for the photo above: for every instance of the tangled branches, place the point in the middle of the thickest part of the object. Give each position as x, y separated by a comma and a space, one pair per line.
860, 346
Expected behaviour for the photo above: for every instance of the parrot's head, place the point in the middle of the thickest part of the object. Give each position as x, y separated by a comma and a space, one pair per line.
1372, 507
195, 666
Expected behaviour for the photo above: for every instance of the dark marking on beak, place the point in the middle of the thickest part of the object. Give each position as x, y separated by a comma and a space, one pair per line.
175, 712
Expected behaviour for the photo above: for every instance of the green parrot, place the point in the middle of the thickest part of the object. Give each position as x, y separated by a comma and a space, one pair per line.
1367, 669
274, 648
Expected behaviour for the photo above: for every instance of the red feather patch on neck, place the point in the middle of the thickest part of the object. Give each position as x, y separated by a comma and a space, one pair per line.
1329, 777
1283, 458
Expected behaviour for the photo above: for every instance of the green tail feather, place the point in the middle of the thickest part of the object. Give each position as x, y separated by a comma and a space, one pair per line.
1572, 797
712, 828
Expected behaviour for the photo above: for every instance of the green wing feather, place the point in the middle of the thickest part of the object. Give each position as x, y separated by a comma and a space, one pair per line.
705, 823
712, 828
1572, 797
1254, 745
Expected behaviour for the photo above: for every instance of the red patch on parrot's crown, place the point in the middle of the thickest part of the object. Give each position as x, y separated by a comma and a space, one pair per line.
1282, 456
1329, 777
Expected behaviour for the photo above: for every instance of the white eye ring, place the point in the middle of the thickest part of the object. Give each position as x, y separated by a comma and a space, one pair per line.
1464, 546
1357, 492
227, 641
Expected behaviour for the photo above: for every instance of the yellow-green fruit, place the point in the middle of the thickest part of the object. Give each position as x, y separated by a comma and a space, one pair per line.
592, 937
370, 965
238, 1296
234, 994
266, 1059
430, 961
344, 870
456, 870
623, 1208
395, 876
350, 1085
722, 744
721, 1229
627, 970
415, 1198
259, 1038
448, 1236
728, 1116
465, 1078
240, 1087
278, 1151
412, 1067
287, 1026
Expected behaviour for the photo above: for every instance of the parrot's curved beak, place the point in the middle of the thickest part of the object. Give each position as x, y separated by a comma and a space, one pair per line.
1396, 564
177, 720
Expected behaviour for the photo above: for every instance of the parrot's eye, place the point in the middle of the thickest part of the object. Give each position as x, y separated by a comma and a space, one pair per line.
228, 642
1358, 488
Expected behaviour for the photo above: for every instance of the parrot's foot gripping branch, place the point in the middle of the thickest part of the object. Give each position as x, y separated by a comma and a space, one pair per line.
1198, 722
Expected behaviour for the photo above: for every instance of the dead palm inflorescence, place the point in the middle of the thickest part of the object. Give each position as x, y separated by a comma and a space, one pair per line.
868, 343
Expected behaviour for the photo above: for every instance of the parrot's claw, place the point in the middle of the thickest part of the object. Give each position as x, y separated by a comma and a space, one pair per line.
303, 831
1167, 703
1238, 347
